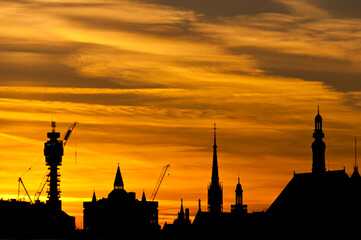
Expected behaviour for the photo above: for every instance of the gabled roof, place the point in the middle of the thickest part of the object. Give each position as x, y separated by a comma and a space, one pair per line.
311, 194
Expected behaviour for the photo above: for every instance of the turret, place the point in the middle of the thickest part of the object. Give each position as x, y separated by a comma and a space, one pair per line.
318, 147
239, 193
239, 208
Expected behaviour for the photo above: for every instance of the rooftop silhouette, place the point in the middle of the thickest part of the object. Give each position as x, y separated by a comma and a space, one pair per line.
120, 212
38, 218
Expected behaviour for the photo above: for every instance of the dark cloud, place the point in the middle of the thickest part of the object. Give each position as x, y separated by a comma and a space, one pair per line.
126, 99
340, 9
340, 74
226, 8
47, 67
51, 75
181, 30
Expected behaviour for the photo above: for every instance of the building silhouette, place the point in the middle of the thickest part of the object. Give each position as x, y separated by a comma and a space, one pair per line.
183, 217
215, 220
320, 197
181, 225
120, 212
21, 218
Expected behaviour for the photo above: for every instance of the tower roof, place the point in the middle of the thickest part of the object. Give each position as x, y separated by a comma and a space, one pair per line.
239, 187
318, 117
118, 182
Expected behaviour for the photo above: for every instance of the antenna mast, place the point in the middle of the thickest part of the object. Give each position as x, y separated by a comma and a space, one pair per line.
355, 166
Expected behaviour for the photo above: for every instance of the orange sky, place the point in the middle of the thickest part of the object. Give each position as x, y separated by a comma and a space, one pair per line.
146, 79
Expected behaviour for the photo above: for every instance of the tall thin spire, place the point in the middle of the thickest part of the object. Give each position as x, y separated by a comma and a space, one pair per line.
215, 190
215, 177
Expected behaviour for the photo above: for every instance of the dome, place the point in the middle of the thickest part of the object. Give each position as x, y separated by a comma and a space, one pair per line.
318, 117
239, 188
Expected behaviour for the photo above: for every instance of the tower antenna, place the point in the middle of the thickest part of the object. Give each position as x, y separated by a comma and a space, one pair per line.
355, 152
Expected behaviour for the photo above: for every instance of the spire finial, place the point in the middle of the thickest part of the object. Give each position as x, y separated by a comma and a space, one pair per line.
318, 109
214, 128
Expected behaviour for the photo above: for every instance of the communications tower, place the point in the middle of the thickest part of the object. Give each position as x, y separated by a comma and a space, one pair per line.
53, 151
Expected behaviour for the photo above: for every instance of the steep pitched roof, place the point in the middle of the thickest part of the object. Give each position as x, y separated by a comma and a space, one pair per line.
313, 194
118, 182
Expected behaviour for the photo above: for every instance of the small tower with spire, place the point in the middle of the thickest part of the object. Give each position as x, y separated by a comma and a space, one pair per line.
355, 177
215, 190
119, 192
318, 146
183, 218
239, 207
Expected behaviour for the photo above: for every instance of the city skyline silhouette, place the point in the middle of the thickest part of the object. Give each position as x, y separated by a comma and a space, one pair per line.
147, 79
330, 197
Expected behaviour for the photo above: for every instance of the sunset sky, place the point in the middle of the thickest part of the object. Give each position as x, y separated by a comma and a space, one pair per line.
146, 80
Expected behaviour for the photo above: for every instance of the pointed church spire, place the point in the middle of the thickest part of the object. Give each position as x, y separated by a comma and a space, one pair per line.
118, 182
215, 190
94, 199
181, 208
143, 197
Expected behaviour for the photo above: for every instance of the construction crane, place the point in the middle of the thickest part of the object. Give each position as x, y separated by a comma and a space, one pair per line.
159, 182
22, 183
41, 186
68, 133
